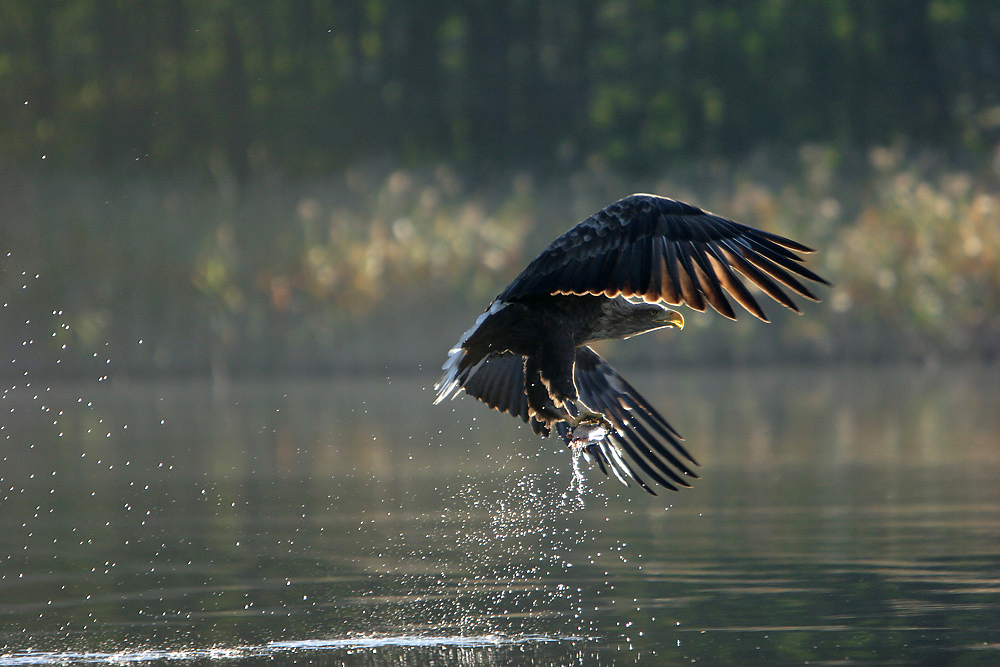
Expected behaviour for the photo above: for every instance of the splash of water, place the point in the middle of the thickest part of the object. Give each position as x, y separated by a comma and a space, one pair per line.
494, 560
573, 496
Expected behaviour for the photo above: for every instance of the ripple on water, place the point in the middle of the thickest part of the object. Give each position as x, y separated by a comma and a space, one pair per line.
275, 649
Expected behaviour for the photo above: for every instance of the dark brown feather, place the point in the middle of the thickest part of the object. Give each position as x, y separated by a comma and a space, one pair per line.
645, 438
660, 249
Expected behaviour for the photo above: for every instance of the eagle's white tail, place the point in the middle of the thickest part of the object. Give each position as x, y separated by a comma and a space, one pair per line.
449, 383
456, 371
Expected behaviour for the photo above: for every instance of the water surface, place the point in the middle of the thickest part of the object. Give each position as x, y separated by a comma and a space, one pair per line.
847, 515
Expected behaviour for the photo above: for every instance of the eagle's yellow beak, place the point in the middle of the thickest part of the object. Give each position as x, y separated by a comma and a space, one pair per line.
671, 318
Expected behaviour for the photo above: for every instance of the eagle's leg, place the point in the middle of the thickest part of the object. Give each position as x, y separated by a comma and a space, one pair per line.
541, 406
550, 385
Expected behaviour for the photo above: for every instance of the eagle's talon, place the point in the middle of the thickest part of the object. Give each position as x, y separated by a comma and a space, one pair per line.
588, 416
589, 427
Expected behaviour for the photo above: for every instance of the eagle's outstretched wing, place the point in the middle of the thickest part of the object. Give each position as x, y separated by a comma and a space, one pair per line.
641, 443
643, 247
659, 249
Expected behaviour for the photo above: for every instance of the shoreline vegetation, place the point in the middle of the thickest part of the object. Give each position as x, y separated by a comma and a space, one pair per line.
376, 267
248, 189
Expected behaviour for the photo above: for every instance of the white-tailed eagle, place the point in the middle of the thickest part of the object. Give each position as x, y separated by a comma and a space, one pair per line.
528, 354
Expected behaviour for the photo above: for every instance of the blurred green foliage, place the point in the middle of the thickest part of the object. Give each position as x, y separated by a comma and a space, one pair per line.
303, 85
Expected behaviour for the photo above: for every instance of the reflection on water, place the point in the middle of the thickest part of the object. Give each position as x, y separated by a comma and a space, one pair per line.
848, 515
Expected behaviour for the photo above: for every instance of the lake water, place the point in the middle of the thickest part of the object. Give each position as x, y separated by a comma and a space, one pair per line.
843, 516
